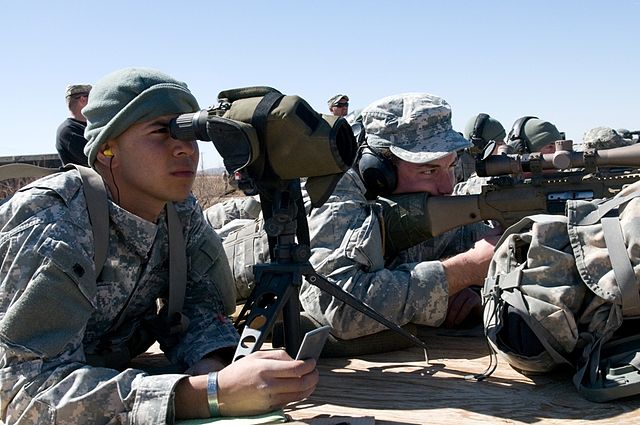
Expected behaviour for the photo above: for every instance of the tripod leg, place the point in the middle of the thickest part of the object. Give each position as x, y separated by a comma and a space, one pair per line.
291, 317
342, 295
268, 299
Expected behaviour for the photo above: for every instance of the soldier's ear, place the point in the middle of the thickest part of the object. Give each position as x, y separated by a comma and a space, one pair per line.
105, 156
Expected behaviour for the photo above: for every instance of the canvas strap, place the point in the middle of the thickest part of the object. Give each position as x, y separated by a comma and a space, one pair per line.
607, 214
177, 271
95, 194
622, 267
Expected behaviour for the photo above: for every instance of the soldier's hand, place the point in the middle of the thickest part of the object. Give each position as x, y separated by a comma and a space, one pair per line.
469, 268
264, 381
462, 305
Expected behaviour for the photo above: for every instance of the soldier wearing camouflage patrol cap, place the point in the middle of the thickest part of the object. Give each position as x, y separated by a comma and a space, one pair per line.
70, 139
68, 330
410, 147
339, 105
603, 138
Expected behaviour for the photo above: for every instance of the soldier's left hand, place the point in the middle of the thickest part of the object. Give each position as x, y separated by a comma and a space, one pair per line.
461, 306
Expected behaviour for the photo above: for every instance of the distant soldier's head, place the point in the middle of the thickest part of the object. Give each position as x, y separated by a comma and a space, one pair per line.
603, 138
339, 105
484, 128
531, 134
76, 96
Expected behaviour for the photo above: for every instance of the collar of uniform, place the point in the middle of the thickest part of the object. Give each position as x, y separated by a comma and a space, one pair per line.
137, 233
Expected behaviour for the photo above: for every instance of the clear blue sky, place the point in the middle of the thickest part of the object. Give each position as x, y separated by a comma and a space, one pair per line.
574, 63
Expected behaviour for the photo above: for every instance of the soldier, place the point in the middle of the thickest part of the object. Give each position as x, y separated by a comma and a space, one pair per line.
70, 139
531, 134
66, 333
603, 138
339, 105
479, 130
428, 284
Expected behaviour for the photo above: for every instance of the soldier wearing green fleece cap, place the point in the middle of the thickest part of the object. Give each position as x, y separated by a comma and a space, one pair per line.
531, 134
68, 332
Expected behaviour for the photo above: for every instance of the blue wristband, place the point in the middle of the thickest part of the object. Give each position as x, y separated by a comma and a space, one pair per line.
212, 394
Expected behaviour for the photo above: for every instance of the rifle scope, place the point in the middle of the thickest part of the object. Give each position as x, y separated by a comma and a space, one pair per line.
563, 158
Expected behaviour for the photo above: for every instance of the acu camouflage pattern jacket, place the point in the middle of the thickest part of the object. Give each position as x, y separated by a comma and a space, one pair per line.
53, 309
347, 248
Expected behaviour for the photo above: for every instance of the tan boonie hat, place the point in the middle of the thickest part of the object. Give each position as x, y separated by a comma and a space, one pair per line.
335, 99
77, 89
415, 127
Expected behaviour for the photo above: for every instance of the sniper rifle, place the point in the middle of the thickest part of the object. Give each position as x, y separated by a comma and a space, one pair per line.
520, 185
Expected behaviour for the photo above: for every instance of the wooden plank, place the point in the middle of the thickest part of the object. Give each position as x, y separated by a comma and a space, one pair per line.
400, 388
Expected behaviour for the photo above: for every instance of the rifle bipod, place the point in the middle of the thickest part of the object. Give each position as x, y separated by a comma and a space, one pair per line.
278, 282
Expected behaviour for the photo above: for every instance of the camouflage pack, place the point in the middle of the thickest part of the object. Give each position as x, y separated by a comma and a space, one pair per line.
562, 291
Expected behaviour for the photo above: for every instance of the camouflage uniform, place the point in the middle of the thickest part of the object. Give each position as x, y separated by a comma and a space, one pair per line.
54, 310
603, 138
347, 248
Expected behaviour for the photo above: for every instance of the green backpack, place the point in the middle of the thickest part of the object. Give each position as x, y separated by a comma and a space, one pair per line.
562, 291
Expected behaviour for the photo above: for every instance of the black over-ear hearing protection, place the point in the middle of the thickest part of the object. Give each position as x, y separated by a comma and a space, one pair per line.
516, 138
377, 171
476, 135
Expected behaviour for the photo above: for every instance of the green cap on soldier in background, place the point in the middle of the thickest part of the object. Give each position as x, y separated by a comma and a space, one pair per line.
540, 133
491, 129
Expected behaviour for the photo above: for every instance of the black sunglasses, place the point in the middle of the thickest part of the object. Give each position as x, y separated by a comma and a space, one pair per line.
342, 105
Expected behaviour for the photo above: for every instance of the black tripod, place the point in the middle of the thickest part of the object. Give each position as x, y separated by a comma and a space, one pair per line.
278, 282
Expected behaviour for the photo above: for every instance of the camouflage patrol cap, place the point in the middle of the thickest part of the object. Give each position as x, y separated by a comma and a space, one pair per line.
415, 127
540, 133
335, 99
491, 129
75, 89
603, 138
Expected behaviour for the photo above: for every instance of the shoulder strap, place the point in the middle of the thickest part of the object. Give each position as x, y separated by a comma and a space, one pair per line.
177, 271
95, 193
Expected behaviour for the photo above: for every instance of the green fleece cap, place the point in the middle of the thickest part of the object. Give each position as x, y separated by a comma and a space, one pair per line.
128, 96
491, 129
540, 133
